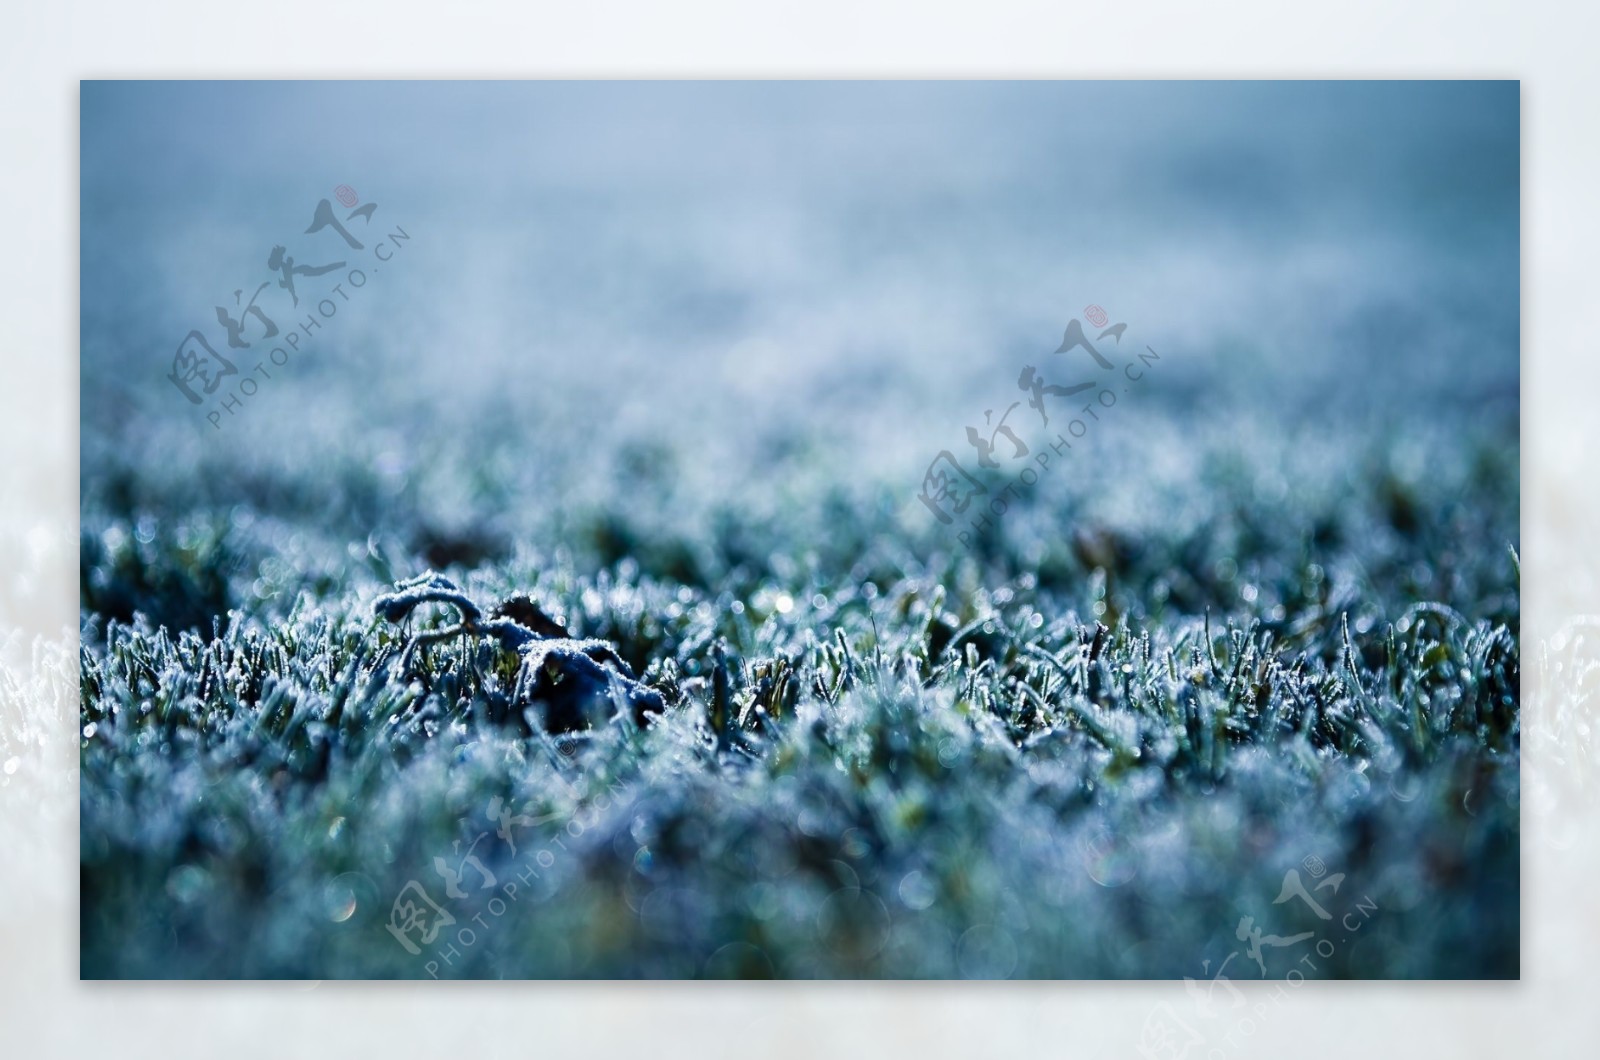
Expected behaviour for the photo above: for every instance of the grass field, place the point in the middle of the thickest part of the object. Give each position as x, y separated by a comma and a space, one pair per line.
1077, 755
705, 691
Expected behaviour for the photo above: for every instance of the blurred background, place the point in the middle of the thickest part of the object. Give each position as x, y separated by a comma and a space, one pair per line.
723, 275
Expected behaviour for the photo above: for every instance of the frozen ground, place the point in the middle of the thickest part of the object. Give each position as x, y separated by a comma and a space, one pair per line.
674, 360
